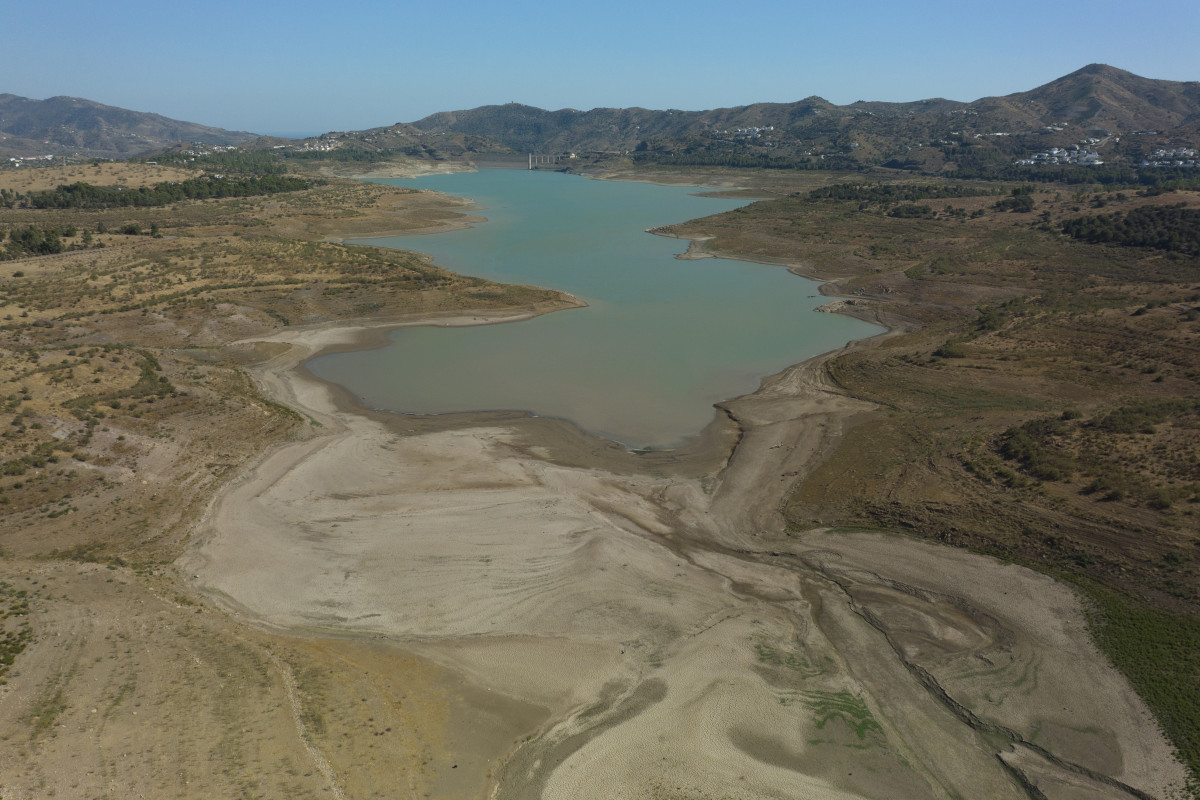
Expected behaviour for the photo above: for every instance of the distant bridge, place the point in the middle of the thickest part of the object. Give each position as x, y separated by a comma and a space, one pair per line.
539, 159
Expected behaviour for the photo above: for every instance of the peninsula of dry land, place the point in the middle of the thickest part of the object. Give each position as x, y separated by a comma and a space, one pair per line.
222, 577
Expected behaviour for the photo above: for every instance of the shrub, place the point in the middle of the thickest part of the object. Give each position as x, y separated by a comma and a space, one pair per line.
951, 349
911, 211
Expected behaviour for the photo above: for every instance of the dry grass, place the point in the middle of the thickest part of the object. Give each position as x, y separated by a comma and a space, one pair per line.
116, 173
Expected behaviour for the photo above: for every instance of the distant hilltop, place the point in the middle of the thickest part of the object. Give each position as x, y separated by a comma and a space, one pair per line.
72, 126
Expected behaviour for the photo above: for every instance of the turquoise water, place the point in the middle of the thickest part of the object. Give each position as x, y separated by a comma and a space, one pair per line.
661, 340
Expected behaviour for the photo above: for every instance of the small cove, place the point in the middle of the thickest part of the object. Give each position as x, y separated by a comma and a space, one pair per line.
661, 340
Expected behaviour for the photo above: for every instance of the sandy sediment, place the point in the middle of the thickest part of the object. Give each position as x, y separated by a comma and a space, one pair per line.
400, 169
681, 643
464, 222
426, 212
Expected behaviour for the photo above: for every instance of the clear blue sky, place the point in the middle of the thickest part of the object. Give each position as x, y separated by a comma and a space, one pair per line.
314, 66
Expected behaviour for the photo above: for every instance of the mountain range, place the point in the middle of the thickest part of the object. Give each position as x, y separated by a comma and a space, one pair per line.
1093, 102
1096, 102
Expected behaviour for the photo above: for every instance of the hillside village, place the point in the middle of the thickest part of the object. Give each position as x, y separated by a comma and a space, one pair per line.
1177, 157
1076, 155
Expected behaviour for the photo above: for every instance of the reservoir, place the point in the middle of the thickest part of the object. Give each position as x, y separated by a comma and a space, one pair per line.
661, 341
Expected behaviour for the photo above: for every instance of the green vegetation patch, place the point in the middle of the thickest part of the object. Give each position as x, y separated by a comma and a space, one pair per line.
15, 629
1030, 445
843, 706
50, 703
1055, 448
86, 196
793, 659
1159, 652
883, 193
1174, 228
1142, 417
1019, 202
911, 211
35, 240
1163, 178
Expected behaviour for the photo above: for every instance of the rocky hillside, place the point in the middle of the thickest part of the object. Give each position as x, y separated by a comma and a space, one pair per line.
73, 126
1095, 101
936, 135
1102, 98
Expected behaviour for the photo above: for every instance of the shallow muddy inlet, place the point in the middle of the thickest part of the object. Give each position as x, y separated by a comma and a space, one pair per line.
661, 340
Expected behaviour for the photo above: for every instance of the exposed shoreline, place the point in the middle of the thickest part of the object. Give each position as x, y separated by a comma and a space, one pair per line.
893, 324
635, 590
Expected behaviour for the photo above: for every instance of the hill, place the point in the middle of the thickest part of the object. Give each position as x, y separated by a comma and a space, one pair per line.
524, 127
931, 134
74, 126
1103, 97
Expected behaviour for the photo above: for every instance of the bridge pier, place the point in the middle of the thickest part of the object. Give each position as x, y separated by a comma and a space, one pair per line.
538, 159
